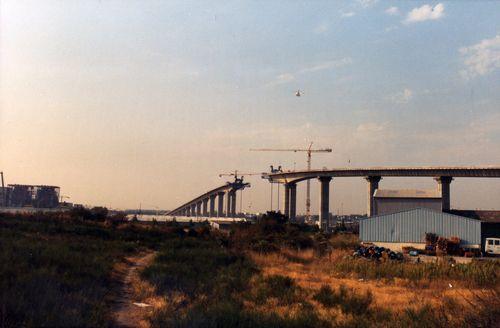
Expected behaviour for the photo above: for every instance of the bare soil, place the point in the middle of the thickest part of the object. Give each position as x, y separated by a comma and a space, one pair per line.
126, 274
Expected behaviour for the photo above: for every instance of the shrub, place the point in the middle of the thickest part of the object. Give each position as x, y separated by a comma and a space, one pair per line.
347, 299
282, 288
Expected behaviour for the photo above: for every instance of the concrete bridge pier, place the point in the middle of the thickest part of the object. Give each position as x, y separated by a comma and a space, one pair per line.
444, 190
286, 200
372, 186
293, 201
193, 209
228, 203
220, 203
233, 203
198, 209
212, 206
324, 201
205, 207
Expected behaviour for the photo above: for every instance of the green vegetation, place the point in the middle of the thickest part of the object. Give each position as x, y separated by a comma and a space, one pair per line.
56, 270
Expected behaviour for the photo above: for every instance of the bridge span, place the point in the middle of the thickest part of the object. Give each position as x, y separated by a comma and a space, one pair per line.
204, 205
442, 174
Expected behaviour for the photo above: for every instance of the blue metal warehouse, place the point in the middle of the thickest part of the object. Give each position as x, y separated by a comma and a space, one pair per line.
409, 228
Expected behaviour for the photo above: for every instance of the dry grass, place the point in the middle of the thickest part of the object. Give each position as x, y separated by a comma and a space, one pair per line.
311, 273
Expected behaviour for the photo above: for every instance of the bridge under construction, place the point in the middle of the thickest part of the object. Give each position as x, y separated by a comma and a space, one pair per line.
443, 175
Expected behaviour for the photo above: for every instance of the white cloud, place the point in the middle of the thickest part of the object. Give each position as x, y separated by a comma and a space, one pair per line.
392, 11
321, 28
371, 127
426, 12
348, 14
481, 58
327, 65
402, 97
390, 28
282, 79
289, 76
367, 3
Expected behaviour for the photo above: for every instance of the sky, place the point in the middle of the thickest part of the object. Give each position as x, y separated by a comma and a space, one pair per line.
124, 103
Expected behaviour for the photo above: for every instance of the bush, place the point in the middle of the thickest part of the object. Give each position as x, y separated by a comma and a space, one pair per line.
347, 299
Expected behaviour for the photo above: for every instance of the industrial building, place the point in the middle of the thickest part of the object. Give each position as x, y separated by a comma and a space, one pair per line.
392, 201
409, 227
36, 196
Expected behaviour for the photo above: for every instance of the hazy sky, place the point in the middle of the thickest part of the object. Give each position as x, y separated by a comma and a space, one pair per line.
128, 102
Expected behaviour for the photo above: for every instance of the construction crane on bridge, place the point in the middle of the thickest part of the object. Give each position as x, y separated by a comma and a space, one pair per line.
237, 180
309, 152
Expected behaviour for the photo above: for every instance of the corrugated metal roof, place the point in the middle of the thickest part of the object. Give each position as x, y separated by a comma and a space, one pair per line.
412, 225
483, 215
406, 193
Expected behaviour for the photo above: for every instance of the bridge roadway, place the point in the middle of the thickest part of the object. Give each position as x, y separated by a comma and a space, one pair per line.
442, 174
204, 205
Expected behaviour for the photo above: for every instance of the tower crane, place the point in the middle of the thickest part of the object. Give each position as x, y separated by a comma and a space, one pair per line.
309, 150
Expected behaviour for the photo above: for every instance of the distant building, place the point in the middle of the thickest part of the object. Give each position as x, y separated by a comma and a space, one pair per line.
4, 196
408, 228
36, 196
393, 201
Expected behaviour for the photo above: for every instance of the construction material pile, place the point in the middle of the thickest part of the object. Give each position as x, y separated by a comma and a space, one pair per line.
377, 253
435, 245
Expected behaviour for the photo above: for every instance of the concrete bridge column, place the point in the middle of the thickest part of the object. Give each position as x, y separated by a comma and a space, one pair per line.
444, 190
198, 209
293, 201
228, 203
193, 209
212, 206
324, 201
233, 203
188, 211
286, 200
372, 186
220, 209
205, 207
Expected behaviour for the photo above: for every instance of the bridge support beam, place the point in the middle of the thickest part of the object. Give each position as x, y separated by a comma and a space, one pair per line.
193, 210
220, 203
205, 207
324, 202
444, 190
286, 200
372, 186
293, 202
212, 206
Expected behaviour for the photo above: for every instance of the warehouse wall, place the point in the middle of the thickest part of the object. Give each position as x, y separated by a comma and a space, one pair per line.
394, 205
411, 227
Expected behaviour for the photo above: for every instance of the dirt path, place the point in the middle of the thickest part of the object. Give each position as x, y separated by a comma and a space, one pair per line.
125, 312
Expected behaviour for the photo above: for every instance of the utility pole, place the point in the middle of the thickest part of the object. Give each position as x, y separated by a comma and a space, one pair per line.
309, 152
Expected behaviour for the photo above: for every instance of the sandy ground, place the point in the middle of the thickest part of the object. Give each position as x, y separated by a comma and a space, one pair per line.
125, 312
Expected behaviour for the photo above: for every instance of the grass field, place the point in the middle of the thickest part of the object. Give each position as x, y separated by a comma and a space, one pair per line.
270, 282
56, 271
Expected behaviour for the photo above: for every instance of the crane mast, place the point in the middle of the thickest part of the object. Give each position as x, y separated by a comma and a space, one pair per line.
309, 152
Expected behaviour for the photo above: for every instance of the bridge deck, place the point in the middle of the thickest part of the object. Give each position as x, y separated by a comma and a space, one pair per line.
423, 171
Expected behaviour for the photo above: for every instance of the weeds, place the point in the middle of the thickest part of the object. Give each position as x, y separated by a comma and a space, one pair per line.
475, 274
347, 299
56, 270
